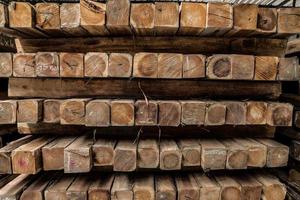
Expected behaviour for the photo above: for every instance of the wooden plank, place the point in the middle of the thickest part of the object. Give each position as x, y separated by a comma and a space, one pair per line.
209, 188
120, 65
92, 17
21, 17
103, 153
170, 155
257, 152
213, 154
122, 188
230, 189
193, 112
166, 21
59, 188
146, 113
290, 15
277, 154
266, 21
79, 187
24, 65
100, 187
288, 69
273, 189
97, 113
125, 159
256, 112
266, 68
187, 187
122, 113
29, 110
279, 114
170, 65
5, 154
165, 188
148, 154
53, 153
117, 17
95, 64
215, 113
192, 18
6, 64
219, 67
27, 159
193, 66
78, 155
145, 65
191, 153
51, 110
142, 18
71, 64
72, 111
70, 19
242, 67
47, 64
251, 188
143, 187
235, 113
169, 113
8, 112
237, 155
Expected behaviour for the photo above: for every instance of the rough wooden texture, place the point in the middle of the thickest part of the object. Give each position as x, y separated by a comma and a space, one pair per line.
8, 112
191, 153
142, 18
166, 20
242, 67
79, 187
296, 121
187, 187
230, 189
5, 154
146, 113
58, 189
295, 149
170, 65
148, 154
97, 113
213, 154
256, 112
95, 64
72, 111
251, 188
193, 66
29, 110
257, 152
118, 14
47, 64
277, 154
280, 114
78, 155
51, 110
215, 113
193, 112
125, 156
122, 188
273, 189
6, 64
122, 112
209, 188
100, 187
290, 15
71, 64
293, 46
170, 155
237, 155
219, 67
165, 188
143, 188
169, 113
103, 153
288, 69
266, 21
53, 153
24, 65
235, 113
120, 65
192, 18
92, 17
145, 65
266, 68
26, 159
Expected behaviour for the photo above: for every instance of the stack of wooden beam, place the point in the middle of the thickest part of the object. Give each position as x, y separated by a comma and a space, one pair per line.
146, 100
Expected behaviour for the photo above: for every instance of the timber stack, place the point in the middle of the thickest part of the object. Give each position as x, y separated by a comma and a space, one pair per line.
147, 100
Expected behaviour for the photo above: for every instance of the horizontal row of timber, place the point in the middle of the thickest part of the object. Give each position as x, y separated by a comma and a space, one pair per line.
149, 65
120, 17
95, 186
105, 113
29, 155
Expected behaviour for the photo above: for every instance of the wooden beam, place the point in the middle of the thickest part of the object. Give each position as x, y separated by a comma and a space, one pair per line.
193, 112
96, 64
29, 110
103, 153
295, 150
290, 15
266, 68
145, 65
191, 153
24, 65
122, 113
8, 112
120, 65
51, 110
72, 111
219, 67
148, 154
78, 155
169, 113
215, 113
165, 188
59, 187
280, 114
79, 187
100, 187
293, 46
251, 188
166, 20
235, 113
6, 60
170, 65
142, 18
230, 189
71, 64
193, 66
47, 64
97, 113
143, 187
122, 187
237, 155
170, 155
256, 112
266, 21
209, 188
288, 69
146, 113
243, 67
187, 187
125, 156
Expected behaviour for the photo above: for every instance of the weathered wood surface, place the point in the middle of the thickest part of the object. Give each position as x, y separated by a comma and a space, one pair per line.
100, 187
230, 188
164, 187
148, 154
125, 159
103, 153
209, 188
187, 187
170, 155
122, 187
143, 187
